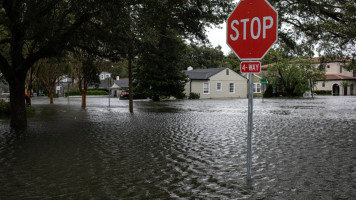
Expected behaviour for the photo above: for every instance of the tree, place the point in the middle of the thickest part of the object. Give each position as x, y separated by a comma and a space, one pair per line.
32, 30
49, 72
201, 57
291, 76
157, 73
232, 62
164, 25
119, 69
32, 78
86, 68
345, 84
325, 25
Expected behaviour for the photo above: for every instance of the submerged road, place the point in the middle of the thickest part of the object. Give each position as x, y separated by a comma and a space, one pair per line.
193, 149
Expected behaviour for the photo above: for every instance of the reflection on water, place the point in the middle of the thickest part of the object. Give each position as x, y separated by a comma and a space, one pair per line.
302, 149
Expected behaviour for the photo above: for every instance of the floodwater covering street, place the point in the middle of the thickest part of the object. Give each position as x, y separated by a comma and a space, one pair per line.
186, 149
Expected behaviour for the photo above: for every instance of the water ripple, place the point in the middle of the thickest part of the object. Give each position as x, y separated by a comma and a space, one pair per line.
302, 149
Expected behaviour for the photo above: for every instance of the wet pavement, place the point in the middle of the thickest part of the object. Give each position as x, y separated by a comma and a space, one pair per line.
193, 149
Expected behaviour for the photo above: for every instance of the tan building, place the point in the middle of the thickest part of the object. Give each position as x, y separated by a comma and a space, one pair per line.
258, 87
339, 81
215, 83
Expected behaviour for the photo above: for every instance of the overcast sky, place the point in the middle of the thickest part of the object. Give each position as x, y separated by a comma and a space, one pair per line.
218, 37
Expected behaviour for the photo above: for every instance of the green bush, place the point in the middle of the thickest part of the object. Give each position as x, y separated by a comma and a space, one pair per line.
97, 92
72, 93
90, 92
181, 96
4, 107
193, 95
323, 92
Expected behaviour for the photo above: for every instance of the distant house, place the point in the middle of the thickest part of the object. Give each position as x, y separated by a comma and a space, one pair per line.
105, 84
257, 86
339, 81
216, 83
104, 75
119, 85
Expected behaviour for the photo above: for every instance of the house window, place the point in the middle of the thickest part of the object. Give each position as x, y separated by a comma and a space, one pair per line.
328, 66
232, 87
257, 88
107, 75
206, 87
323, 85
340, 69
102, 76
218, 86
227, 72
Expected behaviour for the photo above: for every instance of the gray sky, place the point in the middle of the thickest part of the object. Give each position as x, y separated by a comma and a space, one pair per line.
217, 36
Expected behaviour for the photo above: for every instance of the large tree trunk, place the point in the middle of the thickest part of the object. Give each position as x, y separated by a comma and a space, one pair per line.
84, 92
17, 102
84, 98
50, 93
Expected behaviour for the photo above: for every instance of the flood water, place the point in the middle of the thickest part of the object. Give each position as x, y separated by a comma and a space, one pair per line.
192, 149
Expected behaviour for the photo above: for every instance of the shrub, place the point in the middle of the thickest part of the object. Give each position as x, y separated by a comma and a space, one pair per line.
4, 107
90, 92
72, 93
323, 92
193, 95
97, 92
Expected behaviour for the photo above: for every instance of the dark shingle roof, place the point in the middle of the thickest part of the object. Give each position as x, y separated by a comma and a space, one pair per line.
122, 83
203, 74
104, 84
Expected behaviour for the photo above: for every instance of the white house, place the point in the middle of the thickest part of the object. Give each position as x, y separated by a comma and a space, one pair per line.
119, 85
336, 77
216, 83
104, 75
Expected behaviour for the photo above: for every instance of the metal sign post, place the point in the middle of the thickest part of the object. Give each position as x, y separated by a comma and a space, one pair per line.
250, 126
109, 89
68, 93
252, 29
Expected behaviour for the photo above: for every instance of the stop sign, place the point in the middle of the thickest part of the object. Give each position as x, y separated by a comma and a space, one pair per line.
252, 29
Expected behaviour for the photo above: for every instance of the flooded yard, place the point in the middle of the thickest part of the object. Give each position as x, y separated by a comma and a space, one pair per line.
191, 149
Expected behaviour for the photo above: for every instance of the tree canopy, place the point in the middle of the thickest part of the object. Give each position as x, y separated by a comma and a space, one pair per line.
165, 25
153, 31
326, 26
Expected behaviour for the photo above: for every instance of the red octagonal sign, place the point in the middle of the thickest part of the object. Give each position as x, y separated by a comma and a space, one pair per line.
252, 29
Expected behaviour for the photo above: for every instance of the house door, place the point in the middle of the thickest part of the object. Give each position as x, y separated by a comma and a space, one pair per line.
345, 91
336, 90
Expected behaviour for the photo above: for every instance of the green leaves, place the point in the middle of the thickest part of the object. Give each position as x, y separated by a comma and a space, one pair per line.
326, 26
291, 76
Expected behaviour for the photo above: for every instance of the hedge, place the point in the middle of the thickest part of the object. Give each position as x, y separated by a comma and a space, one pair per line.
5, 108
90, 92
193, 95
322, 92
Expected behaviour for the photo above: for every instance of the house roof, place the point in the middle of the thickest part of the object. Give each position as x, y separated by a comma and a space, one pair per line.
339, 77
203, 74
122, 83
104, 83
